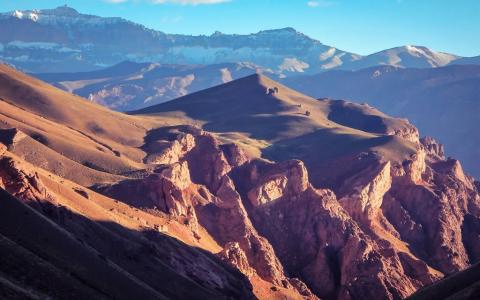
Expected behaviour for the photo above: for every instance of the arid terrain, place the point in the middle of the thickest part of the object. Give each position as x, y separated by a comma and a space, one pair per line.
245, 190
441, 102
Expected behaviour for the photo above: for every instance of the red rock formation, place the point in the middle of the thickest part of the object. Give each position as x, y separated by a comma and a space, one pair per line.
101, 255
198, 187
429, 210
392, 228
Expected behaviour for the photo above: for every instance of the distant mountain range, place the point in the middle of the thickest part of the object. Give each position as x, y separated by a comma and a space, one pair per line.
64, 40
129, 85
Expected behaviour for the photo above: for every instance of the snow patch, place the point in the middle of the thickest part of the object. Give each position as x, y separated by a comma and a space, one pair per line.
33, 16
17, 14
335, 62
327, 54
293, 65
226, 75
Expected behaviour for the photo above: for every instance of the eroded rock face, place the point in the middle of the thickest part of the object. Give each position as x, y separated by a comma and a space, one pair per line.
286, 179
394, 227
171, 152
199, 188
130, 252
21, 181
434, 149
234, 255
366, 196
407, 132
178, 174
428, 204
318, 241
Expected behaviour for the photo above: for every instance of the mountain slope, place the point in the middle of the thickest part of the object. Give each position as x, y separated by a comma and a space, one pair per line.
270, 122
79, 132
91, 252
441, 102
380, 172
51, 160
370, 210
475, 60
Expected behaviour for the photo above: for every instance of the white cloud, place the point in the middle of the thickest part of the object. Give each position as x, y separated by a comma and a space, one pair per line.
319, 3
190, 2
116, 1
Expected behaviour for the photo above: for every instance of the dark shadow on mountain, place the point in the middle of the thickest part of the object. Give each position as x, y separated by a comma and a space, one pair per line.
50, 251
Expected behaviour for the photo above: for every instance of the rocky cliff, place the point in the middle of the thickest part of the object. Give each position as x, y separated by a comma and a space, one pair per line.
273, 203
272, 223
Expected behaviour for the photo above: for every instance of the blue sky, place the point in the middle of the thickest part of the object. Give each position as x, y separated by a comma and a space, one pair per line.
360, 26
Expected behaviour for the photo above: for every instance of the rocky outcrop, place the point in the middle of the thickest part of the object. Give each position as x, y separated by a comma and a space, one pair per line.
228, 210
170, 152
235, 256
430, 201
21, 181
234, 155
365, 192
84, 254
407, 132
196, 187
11, 136
394, 227
317, 240
411, 170
286, 179
434, 149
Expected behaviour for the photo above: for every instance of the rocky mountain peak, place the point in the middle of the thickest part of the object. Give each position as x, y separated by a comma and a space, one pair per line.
64, 10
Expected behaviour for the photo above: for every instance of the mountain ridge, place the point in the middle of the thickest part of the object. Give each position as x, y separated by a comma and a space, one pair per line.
291, 197
72, 46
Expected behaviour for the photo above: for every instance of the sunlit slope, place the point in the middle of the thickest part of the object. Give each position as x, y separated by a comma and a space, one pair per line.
83, 132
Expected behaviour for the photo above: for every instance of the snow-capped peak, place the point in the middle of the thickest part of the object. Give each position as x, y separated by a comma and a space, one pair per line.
17, 14
397, 56
32, 15
414, 50
62, 15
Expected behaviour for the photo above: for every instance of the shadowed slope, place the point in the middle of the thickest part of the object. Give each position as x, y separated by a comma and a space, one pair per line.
285, 124
464, 285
